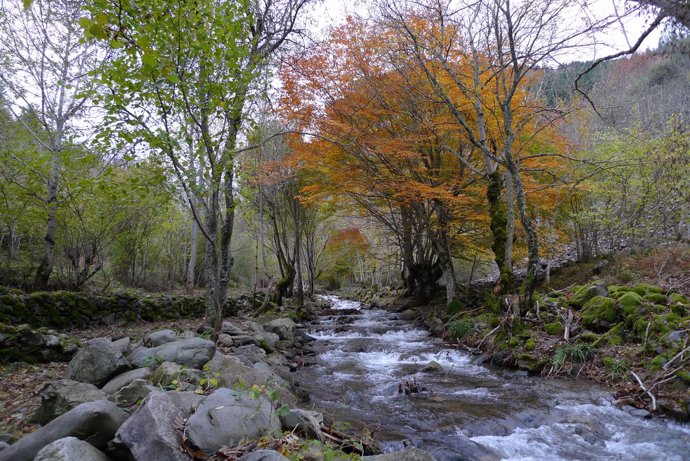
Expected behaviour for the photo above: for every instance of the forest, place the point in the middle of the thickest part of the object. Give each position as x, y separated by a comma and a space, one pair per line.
500, 169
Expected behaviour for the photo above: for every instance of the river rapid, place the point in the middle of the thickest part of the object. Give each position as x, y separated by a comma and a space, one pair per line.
468, 411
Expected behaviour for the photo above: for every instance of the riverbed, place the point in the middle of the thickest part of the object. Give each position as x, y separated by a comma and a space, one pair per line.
466, 411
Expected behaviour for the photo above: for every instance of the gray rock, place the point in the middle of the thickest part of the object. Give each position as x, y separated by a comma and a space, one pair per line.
225, 340
263, 455
4, 445
149, 434
285, 328
408, 315
432, 367
123, 345
253, 353
192, 353
61, 396
232, 330
640, 413
70, 449
96, 362
307, 422
409, 454
134, 392
93, 422
166, 373
226, 417
124, 379
158, 338
267, 340
233, 371
245, 340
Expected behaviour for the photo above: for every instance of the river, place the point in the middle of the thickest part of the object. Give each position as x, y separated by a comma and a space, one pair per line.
468, 411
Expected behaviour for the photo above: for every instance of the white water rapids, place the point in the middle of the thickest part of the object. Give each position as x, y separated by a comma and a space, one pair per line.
469, 411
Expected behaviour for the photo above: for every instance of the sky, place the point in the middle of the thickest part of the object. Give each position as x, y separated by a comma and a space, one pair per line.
618, 37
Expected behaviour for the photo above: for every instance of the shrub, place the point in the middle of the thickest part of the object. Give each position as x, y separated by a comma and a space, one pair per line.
460, 328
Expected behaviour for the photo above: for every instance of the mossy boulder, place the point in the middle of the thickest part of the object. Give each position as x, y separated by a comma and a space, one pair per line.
529, 362
599, 313
656, 298
554, 328
645, 288
586, 293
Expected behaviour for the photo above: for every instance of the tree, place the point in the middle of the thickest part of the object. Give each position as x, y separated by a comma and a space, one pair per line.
186, 74
487, 51
45, 78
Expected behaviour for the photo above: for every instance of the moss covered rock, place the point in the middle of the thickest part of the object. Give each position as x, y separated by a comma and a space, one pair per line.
554, 328
529, 362
678, 298
586, 293
645, 288
657, 362
630, 302
657, 298
599, 313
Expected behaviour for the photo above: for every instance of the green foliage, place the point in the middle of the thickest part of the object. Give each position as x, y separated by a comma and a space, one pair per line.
617, 368
530, 344
461, 328
572, 352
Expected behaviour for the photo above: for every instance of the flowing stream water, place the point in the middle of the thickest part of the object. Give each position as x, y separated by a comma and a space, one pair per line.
469, 411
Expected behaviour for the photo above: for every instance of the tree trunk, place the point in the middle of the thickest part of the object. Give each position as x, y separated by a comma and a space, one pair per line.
45, 268
191, 268
499, 231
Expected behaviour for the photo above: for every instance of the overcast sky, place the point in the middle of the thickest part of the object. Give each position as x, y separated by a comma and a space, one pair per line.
334, 12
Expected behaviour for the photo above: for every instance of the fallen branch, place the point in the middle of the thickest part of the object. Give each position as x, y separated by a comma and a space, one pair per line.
679, 354
484, 339
642, 386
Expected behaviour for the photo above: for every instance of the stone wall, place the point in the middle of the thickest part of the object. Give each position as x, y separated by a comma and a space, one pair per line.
66, 309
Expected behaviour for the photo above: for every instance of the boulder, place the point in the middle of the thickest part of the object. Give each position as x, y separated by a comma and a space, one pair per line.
94, 422
97, 362
225, 340
584, 294
407, 315
3, 445
285, 328
232, 330
122, 344
166, 373
233, 371
70, 449
134, 392
193, 353
61, 396
253, 353
227, 417
307, 423
158, 338
149, 434
409, 454
125, 378
263, 455
432, 367
599, 314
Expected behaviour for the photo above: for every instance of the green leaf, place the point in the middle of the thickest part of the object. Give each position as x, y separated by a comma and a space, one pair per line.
27, 4
150, 59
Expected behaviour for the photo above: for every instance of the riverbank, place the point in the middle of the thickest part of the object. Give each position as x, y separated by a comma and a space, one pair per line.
632, 338
388, 375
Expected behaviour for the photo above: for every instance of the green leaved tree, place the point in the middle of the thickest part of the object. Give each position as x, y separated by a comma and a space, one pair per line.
182, 77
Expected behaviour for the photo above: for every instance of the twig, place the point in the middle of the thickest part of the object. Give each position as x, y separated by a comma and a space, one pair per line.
646, 333
679, 354
642, 386
487, 335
